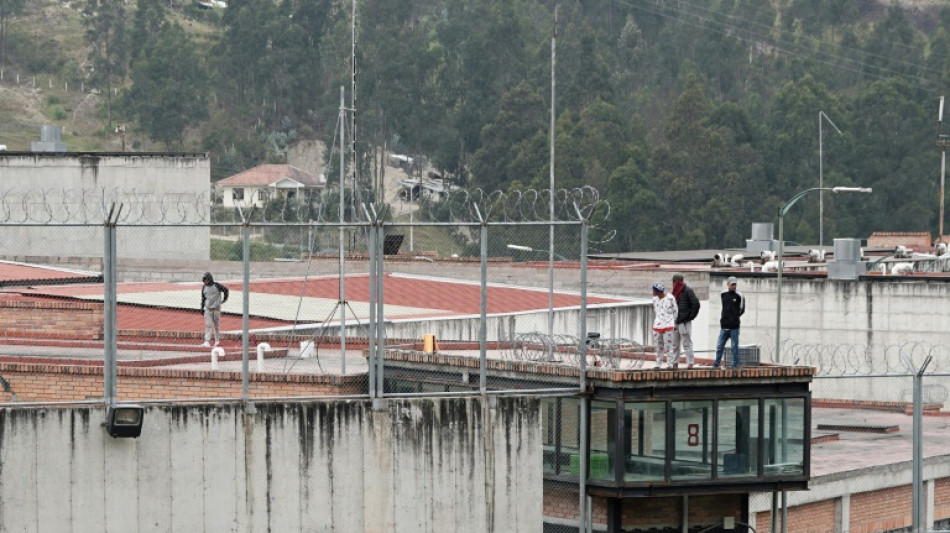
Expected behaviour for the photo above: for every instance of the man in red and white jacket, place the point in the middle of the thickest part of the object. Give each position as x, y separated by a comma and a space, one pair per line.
664, 321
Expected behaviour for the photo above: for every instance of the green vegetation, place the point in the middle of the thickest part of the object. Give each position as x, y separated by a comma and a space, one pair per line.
694, 119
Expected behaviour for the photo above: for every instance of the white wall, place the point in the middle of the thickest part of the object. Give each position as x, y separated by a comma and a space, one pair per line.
833, 312
69, 188
414, 466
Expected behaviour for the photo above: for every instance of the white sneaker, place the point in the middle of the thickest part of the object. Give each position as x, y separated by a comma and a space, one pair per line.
206, 344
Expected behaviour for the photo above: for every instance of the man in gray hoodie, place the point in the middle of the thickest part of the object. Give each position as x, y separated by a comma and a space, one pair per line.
213, 295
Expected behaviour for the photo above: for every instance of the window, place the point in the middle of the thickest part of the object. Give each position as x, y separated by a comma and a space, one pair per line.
262, 195
560, 429
738, 438
691, 440
644, 441
603, 431
784, 436
237, 194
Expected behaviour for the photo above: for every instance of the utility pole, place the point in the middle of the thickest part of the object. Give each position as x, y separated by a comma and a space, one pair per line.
942, 142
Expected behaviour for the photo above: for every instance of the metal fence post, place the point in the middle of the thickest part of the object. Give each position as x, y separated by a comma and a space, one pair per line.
373, 319
245, 306
582, 346
919, 517
109, 313
483, 310
380, 312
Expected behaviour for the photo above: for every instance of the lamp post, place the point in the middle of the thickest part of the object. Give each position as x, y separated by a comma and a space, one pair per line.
821, 178
781, 251
942, 142
521, 248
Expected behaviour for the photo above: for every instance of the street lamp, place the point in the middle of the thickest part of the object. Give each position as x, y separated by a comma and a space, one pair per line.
781, 251
942, 142
821, 178
521, 248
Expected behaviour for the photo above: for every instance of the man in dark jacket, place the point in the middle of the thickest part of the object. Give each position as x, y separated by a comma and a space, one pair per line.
733, 306
688, 306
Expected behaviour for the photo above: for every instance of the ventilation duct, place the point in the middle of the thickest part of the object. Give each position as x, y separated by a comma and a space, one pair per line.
847, 263
761, 239
51, 140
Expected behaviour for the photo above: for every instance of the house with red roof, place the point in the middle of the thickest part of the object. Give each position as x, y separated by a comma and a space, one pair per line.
255, 186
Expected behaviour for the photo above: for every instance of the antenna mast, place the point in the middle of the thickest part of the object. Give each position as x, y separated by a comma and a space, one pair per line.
353, 98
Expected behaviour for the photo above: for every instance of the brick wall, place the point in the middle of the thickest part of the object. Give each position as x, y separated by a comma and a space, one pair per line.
646, 513
562, 504
881, 510
46, 382
941, 498
51, 319
884, 509
665, 512
817, 517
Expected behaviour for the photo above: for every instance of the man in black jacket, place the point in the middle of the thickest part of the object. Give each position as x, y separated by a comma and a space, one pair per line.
688, 306
733, 306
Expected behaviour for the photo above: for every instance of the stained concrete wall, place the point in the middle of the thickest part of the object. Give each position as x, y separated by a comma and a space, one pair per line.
421, 465
832, 312
71, 188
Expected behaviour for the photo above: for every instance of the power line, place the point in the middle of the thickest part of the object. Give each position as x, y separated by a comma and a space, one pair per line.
787, 48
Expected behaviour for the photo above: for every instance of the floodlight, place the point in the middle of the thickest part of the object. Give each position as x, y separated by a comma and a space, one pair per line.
124, 421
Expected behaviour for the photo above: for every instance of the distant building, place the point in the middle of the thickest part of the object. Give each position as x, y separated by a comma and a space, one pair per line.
255, 186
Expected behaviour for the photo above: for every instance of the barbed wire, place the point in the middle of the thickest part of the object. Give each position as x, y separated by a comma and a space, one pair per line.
89, 206
614, 354
526, 205
861, 359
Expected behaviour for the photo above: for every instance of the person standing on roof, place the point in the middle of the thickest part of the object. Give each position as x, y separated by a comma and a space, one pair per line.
664, 321
213, 295
688, 308
733, 306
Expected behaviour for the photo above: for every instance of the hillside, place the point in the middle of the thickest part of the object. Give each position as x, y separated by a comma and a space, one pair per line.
693, 119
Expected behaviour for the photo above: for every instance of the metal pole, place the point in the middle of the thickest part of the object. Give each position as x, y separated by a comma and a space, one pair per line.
342, 267
380, 312
373, 319
483, 309
582, 346
919, 518
778, 284
774, 512
821, 180
109, 313
551, 194
943, 173
246, 308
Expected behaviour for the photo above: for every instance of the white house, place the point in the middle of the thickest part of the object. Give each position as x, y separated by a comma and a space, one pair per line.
255, 186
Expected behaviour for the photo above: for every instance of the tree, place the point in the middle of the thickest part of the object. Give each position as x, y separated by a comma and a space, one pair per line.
169, 86
8, 9
105, 34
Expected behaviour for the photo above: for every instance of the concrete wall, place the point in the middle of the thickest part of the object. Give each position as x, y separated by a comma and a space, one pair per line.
831, 312
63, 188
413, 466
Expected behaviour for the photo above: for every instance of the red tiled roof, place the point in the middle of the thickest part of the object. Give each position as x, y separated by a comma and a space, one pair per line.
264, 175
441, 296
134, 317
19, 274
